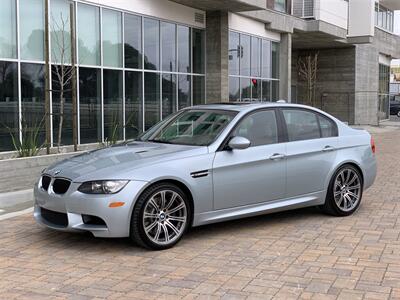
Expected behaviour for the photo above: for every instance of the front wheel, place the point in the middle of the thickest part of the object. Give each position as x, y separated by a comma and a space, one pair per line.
344, 192
160, 217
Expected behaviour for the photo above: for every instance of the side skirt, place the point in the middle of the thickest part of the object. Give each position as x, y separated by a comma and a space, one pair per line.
313, 199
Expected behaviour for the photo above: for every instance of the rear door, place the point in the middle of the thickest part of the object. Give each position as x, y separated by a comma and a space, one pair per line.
256, 174
310, 152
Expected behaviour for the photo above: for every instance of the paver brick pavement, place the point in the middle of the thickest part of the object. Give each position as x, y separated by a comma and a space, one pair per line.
300, 254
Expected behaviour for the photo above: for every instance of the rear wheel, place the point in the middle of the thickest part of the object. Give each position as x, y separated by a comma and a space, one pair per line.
160, 217
344, 192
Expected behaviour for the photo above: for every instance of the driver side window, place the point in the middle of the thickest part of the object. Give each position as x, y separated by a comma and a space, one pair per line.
259, 128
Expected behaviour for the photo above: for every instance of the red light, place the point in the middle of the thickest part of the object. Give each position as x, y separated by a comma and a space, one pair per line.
373, 147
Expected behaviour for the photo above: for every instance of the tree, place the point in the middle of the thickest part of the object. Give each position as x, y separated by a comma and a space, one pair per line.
307, 69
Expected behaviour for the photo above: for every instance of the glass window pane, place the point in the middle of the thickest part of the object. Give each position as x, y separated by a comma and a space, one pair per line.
275, 90
199, 90
168, 46
151, 44
327, 127
133, 41
8, 104
245, 55
266, 90
255, 57
32, 97
8, 32
234, 89
255, 89
234, 53
168, 94
88, 34
113, 118
266, 59
133, 104
60, 30
301, 124
245, 87
90, 105
198, 51
184, 49
32, 29
275, 60
112, 38
184, 94
62, 105
259, 128
151, 99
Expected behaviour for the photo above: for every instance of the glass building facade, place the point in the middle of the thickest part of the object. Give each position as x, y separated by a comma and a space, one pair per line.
253, 68
132, 71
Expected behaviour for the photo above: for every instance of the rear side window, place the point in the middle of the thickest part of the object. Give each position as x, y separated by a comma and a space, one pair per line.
328, 128
301, 124
259, 128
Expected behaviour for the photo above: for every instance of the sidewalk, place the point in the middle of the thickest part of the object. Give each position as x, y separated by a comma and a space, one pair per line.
15, 201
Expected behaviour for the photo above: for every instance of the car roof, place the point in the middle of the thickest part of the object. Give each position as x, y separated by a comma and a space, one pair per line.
246, 106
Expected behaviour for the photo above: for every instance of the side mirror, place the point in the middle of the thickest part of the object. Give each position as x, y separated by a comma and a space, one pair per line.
239, 142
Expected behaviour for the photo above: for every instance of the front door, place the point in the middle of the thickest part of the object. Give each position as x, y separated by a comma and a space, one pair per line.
256, 174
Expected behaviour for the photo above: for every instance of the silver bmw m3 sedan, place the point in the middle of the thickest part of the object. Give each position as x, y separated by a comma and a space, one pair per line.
207, 164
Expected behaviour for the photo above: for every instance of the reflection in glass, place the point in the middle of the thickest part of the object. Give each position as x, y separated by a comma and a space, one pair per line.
234, 89
275, 60
151, 44
184, 95
88, 34
245, 55
266, 90
62, 105
245, 87
255, 56
32, 29
198, 42
8, 104
234, 53
255, 89
168, 94
199, 96
8, 32
183, 49
32, 97
60, 30
133, 41
168, 46
112, 38
90, 105
151, 99
113, 118
266, 59
133, 104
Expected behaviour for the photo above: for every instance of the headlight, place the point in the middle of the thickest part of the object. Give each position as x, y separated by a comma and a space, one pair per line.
102, 186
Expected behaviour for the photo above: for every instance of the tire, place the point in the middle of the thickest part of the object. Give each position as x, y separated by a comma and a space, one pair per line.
344, 192
159, 224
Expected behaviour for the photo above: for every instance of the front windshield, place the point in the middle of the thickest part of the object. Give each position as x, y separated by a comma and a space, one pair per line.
191, 127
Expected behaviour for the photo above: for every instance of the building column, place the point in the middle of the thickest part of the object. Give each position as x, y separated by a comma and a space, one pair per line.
217, 43
285, 67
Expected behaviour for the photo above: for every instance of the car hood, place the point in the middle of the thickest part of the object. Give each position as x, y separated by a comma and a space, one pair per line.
118, 161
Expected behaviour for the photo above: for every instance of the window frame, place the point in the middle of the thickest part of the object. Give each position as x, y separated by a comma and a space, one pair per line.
317, 114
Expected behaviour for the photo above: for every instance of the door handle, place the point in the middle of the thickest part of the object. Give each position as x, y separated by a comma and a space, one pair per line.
328, 148
277, 156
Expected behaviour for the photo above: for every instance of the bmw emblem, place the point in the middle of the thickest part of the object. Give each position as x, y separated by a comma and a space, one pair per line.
57, 172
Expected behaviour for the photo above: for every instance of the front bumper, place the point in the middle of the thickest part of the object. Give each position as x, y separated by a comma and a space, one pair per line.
67, 212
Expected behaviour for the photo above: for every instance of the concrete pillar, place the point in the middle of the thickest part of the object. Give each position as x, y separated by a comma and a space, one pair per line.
217, 43
285, 67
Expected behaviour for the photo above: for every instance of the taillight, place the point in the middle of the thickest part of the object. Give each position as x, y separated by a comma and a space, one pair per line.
373, 145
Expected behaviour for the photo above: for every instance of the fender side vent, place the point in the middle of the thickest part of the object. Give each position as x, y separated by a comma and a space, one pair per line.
199, 174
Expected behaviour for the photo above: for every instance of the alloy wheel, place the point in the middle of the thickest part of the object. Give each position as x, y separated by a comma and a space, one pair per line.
347, 189
165, 217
